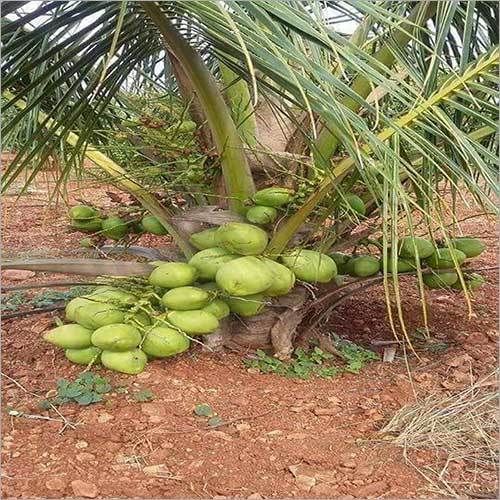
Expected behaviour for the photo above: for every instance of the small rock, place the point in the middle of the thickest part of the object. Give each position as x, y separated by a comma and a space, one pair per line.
153, 409
16, 454
305, 483
370, 490
81, 444
365, 470
253, 371
242, 427
154, 470
459, 361
255, 496
298, 435
104, 417
121, 458
325, 411
334, 400
326, 476
274, 433
56, 483
18, 274
83, 489
349, 464
477, 338
156, 419
325, 490
220, 435
85, 457
143, 375
167, 444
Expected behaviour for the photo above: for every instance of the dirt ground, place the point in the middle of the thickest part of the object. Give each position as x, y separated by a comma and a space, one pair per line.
282, 437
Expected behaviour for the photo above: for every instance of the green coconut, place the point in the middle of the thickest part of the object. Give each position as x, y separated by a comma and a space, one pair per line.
241, 238
439, 280
362, 266
129, 362
186, 127
96, 314
283, 278
204, 239
340, 259
244, 276
173, 275
185, 298
208, 261
250, 305
69, 336
84, 356
116, 337
87, 226
73, 305
261, 215
83, 212
114, 228
218, 308
194, 322
442, 258
310, 266
471, 247
355, 203
152, 225
273, 196
86, 243
402, 265
162, 342
407, 247
473, 281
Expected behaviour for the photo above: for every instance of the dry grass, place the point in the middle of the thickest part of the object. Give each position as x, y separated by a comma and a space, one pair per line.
461, 434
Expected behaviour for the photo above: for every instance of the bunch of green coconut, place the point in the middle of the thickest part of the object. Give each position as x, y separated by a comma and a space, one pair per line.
87, 219
123, 329
439, 264
227, 275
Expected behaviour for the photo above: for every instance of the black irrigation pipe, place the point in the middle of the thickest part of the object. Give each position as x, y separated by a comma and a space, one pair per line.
50, 284
39, 310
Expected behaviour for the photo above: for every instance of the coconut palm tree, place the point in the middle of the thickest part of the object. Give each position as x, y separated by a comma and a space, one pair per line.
398, 110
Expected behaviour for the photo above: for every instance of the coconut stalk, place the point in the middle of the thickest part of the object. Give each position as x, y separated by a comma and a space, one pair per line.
237, 175
328, 142
122, 180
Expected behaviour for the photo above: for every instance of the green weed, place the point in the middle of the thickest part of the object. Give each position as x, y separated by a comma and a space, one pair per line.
314, 362
86, 389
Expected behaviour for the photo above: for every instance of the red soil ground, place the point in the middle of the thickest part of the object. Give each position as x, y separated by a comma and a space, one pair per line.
328, 428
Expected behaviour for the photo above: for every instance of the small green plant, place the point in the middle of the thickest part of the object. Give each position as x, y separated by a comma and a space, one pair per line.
356, 357
204, 410
86, 389
49, 297
143, 396
315, 362
13, 301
